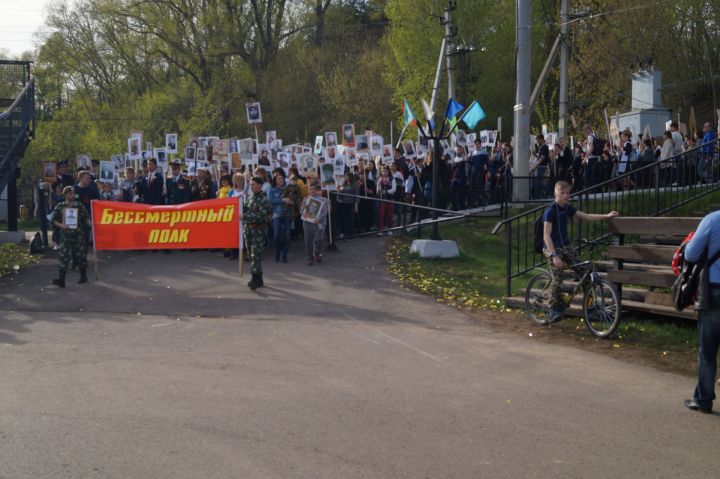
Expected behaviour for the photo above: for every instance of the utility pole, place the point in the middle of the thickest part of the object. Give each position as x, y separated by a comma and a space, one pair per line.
450, 33
522, 108
564, 57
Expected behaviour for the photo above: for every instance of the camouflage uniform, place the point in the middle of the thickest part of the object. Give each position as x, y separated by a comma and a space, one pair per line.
568, 256
73, 245
256, 217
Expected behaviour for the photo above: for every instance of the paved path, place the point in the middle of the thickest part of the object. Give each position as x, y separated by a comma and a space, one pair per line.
169, 367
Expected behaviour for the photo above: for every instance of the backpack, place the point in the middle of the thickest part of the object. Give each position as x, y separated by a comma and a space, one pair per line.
598, 146
539, 233
538, 240
36, 244
684, 289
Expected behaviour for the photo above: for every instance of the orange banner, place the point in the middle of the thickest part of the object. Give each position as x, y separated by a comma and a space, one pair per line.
201, 224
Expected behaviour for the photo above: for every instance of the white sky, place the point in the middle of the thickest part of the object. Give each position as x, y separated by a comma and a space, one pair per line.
19, 20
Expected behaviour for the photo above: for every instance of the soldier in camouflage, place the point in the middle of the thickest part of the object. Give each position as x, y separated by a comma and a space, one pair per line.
73, 220
256, 217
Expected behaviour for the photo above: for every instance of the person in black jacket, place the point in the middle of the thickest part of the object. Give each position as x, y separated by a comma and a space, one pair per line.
151, 185
177, 187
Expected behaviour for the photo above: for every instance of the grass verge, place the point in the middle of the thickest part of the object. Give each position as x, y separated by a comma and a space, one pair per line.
12, 258
475, 282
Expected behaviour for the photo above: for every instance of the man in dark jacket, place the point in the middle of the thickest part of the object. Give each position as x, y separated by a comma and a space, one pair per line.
151, 185
177, 187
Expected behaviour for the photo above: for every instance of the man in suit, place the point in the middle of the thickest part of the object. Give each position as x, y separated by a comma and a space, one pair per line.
151, 185
177, 187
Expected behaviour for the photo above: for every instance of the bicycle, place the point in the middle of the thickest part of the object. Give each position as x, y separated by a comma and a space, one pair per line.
601, 301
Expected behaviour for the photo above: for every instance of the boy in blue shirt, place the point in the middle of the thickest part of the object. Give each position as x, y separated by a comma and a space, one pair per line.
558, 250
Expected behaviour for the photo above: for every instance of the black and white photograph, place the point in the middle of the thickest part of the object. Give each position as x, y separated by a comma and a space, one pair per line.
254, 114
221, 147
107, 172
339, 165
118, 162
308, 165
264, 155
201, 155
348, 134
134, 148
160, 156
49, 172
327, 175
387, 153
409, 147
270, 136
361, 142
318, 145
376, 145
171, 143
461, 138
84, 162
190, 154
330, 138
233, 146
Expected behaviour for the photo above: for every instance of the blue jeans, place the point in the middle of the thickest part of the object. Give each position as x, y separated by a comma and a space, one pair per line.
281, 232
709, 338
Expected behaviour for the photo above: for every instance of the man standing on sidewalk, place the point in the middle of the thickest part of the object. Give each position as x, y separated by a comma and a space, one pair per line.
256, 217
707, 241
74, 221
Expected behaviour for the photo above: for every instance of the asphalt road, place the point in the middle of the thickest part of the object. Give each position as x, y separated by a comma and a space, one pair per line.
169, 367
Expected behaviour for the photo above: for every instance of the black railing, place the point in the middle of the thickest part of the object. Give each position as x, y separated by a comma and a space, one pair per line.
648, 190
17, 115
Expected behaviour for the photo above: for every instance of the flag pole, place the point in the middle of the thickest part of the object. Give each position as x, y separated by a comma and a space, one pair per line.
95, 256
402, 133
241, 255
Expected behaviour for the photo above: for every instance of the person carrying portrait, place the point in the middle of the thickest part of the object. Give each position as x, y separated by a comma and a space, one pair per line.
313, 230
74, 223
256, 217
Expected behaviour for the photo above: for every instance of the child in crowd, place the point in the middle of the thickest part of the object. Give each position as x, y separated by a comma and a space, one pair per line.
313, 230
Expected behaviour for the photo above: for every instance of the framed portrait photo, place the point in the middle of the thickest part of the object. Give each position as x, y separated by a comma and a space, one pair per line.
254, 112
171, 143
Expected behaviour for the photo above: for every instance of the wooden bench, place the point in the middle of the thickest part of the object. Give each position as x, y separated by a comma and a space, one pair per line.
646, 265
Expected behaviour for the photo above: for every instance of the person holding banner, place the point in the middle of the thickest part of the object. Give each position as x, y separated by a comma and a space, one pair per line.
73, 220
256, 217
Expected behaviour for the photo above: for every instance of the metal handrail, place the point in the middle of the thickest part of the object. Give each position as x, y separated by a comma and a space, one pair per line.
657, 193
17, 101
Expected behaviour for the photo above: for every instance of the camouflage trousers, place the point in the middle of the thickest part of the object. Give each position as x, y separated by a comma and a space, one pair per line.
568, 256
255, 240
73, 247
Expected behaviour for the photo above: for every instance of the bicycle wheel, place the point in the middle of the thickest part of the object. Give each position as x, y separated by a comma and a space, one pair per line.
537, 298
601, 308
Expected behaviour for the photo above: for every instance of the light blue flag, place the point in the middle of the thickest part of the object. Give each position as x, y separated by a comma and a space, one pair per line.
453, 109
473, 115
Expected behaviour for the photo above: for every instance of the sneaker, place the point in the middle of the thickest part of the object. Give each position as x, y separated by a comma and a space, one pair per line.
380, 233
318, 259
556, 314
341, 236
388, 233
311, 262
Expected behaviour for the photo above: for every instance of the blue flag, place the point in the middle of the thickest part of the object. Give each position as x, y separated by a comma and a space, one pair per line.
473, 115
453, 109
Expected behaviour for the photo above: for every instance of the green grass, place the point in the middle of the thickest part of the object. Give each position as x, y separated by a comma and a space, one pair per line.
12, 258
475, 281
24, 225
475, 278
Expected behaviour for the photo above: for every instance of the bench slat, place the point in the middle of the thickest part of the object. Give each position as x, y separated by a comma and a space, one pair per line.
665, 226
644, 278
643, 253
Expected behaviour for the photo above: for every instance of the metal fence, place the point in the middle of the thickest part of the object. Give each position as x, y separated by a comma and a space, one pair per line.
17, 115
649, 190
